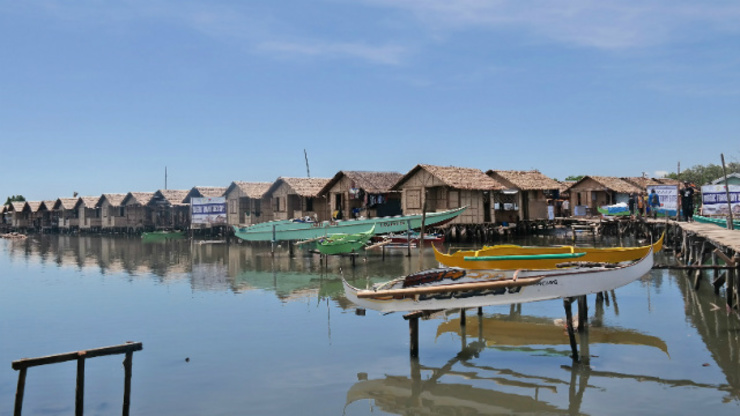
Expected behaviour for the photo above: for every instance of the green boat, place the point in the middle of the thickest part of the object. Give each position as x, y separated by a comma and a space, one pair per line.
344, 243
722, 222
294, 230
162, 235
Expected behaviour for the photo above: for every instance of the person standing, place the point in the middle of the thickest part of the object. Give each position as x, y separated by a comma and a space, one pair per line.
654, 203
687, 201
641, 204
631, 203
566, 207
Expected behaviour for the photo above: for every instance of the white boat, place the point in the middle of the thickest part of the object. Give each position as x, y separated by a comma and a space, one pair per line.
454, 288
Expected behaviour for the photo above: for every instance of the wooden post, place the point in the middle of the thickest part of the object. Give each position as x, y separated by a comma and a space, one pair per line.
272, 243
408, 240
462, 317
715, 273
414, 336
480, 311
421, 232
127, 364
730, 225
582, 313
569, 325
80, 388
19, 391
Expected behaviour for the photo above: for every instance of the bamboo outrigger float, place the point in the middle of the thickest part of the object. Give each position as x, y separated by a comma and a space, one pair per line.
495, 257
453, 288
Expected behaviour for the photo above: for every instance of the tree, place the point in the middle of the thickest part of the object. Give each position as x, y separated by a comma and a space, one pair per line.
702, 175
574, 178
14, 198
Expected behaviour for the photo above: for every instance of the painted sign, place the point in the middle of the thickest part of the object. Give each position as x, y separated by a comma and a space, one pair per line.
714, 199
668, 195
208, 210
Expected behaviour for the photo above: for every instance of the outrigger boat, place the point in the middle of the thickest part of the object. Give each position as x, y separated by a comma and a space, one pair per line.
306, 230
162, 235
722, 222
518, 257
454, 288
344, 243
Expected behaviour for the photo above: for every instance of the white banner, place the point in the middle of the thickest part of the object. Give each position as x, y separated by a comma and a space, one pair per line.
668, 195
714, 199
208, 210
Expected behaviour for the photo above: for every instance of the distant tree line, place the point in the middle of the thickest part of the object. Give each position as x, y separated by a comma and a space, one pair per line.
702, 175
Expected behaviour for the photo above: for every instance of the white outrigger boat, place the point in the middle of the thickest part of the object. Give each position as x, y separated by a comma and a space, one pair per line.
454, 288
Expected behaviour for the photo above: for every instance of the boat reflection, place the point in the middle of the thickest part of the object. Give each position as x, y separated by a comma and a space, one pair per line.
506, 331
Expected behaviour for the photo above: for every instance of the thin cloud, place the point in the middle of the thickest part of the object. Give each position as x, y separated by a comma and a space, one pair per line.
387, 55
602, 24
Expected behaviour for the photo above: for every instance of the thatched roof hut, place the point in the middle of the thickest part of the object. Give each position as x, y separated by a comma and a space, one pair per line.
247, 203
535, 192
137, 198
170, 197
112, 200
370, 182
454, 177
65, 204
363, 193
592, 192
298, 197
205, 192
254, 190
525, 180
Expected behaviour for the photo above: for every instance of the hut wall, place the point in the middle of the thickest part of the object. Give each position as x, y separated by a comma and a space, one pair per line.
138, 217
588, 194
341, 191
112, 216
20, 219
69, 218
89, 218
536, 205
281, 209
441, 197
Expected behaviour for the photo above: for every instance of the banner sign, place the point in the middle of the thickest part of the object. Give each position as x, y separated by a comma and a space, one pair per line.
208, 210
714, 199
668, 195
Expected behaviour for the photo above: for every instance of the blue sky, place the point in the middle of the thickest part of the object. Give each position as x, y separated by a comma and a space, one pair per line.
99, 96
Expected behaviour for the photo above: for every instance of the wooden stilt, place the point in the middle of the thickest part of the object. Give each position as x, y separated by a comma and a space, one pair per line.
480, 311
582, 313
414, 336
127, 364
569, 325
20, 391
462, 317
80, 388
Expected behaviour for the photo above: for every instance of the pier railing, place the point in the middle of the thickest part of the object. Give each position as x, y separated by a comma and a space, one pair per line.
128, 348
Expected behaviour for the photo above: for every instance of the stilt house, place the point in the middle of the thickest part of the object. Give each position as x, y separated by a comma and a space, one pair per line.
439, 188
89, 213
246, 203
592, 192
67, 214
138, 212
298, 198
169, 210
353, 194
113, 215
527, 195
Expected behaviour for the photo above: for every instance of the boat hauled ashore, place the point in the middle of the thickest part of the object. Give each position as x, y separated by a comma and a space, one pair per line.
286, 230
453, 288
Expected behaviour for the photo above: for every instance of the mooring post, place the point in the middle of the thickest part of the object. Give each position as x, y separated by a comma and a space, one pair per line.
19, 391
569, 325
127, 371
480, 311
272, 243
462, 317
80, 388
414, 336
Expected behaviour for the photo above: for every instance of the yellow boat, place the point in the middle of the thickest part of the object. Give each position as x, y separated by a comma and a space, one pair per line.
512, 257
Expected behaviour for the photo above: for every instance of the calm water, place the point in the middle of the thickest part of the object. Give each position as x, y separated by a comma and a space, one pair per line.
266, 336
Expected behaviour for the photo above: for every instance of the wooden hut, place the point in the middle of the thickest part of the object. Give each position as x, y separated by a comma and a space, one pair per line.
205, 192
592, 192
246, 203
68, 217
48, 217
19, 214
138, 212
112, 213
439, 188
353, 194
169, 210
533, 192
298, 198
89, 213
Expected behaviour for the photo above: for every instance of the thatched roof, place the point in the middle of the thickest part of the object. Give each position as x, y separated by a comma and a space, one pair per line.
65, 203
4, 209
172, 196
114, 200
525, 180
17, 206
88, 201
140, 198
207, 191
642, 182
48, 205
455, 177
254, 190
370, 182
610, 183
305, 187
34, 205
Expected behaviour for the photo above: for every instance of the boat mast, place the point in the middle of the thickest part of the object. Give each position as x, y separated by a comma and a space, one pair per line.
308, 171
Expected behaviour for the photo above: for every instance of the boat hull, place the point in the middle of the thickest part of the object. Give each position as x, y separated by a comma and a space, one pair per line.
292, 230
344, 243
554, 284
592, 254
722, 222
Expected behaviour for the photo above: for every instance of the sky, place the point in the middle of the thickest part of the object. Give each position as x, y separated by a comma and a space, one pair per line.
103, 96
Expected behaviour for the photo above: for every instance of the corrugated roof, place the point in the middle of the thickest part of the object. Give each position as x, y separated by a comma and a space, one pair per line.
306, 187
370, 182
456, 177
526, 180
254, 190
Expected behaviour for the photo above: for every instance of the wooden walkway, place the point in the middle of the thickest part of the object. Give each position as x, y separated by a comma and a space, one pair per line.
718, 236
